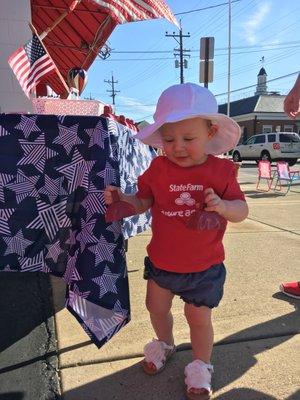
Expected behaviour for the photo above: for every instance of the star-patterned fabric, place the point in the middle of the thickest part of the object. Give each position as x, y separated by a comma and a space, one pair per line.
53, 170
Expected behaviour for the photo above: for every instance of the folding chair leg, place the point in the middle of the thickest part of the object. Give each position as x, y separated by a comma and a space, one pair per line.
273, 178
257, 183
269, 183
280, 186
289, 187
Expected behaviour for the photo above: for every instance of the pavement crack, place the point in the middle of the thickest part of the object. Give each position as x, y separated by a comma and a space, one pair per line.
50, 359
273, 226
104, 361
180, 348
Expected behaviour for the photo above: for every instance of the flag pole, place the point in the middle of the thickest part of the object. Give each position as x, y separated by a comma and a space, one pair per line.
34, 31
94, 44
49, 29
59, 19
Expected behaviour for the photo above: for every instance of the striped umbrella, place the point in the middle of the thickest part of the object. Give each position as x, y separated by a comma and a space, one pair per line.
74, 32
136, 10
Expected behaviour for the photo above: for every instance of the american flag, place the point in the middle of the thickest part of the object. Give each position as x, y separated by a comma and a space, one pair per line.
136, 10
30, 63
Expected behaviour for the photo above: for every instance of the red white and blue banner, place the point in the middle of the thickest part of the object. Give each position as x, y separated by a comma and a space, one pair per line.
30, 63
53, 170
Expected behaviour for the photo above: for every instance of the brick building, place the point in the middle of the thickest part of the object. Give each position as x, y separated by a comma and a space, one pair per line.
262, 112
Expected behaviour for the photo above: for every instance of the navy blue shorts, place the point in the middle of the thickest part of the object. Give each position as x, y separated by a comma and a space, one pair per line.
203, 288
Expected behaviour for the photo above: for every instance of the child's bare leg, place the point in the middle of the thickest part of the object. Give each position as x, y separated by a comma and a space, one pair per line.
158, 303
201, 333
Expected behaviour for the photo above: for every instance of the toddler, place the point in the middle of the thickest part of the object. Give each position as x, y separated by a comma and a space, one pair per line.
192, 194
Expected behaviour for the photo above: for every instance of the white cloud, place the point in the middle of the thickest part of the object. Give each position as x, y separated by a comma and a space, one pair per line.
133, 108
274, 42
255, 21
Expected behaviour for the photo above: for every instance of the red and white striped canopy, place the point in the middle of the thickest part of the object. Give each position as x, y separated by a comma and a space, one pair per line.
123, 11
76, 40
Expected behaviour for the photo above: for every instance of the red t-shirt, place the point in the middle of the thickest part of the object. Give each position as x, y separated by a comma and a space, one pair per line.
176, 191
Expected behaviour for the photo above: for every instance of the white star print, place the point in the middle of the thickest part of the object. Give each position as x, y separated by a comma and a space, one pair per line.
16, 244
107, 282
103, 251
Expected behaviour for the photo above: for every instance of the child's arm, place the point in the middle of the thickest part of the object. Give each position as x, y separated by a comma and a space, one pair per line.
292, 101
140, 205
232, 210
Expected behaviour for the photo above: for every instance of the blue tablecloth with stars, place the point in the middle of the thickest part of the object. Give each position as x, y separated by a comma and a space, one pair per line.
53, 170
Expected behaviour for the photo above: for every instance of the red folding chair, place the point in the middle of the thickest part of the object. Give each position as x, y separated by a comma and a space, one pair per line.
284, 174
264, 172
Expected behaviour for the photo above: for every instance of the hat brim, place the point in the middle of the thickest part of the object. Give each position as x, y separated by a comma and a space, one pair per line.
224, 140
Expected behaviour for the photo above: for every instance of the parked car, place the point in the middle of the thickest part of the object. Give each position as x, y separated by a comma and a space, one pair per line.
273, 146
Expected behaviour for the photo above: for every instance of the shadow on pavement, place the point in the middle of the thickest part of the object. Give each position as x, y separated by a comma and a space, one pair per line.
244, 393
250, 394
26, 302
28, 366
247, 343
248, 165
12, 396
295, 396
241, 350
245, 183
255, 194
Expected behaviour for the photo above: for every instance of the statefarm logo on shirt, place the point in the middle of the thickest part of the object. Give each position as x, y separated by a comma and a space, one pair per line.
184, 188
184, 199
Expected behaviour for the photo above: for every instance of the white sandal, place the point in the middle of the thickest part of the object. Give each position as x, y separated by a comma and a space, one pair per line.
158, 353
198, 376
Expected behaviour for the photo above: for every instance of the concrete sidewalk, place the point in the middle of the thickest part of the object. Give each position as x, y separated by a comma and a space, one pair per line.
257, 341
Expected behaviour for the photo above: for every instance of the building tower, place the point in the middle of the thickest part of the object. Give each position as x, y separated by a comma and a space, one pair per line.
261, 87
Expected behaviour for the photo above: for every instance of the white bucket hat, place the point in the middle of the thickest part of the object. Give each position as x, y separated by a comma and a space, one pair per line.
188, 100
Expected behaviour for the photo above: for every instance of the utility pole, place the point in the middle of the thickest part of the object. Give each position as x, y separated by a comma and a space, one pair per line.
112, 91
181, 52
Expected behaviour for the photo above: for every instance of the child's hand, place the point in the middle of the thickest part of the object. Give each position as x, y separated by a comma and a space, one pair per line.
214, 202
109, 198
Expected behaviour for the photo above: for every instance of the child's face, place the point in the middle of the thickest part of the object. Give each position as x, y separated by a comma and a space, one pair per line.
184, 141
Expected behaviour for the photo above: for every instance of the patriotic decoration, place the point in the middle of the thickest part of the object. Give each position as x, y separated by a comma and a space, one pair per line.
52, 209
67, 107
30, 63
77, 78
133, 10
100, 17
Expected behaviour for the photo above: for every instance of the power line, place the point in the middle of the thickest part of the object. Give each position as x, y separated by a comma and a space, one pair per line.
135, 72
281, 18
224, 93
216, 49
252, 66
251, 86
237, 71
215, 21
216, 55
153, 70
242, 68
138, 60
217, 25
206, 8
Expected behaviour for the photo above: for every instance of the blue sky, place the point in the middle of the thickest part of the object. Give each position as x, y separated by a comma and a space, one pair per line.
260, 28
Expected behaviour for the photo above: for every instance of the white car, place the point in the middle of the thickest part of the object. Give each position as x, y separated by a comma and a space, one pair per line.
272, 146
